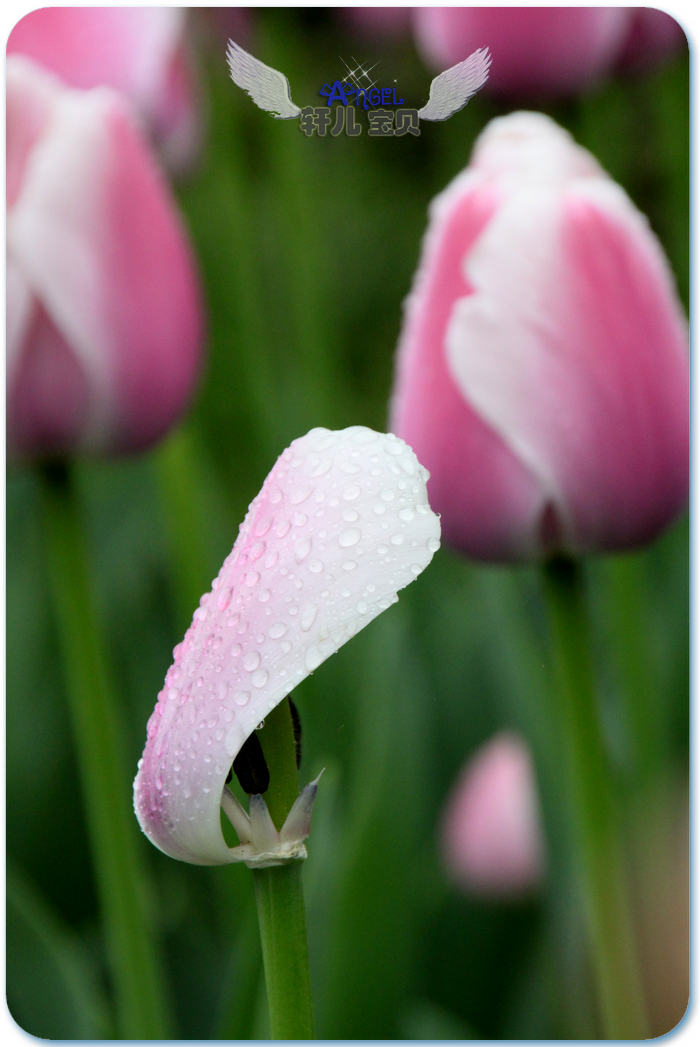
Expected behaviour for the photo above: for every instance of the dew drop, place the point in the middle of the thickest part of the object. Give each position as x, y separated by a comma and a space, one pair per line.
174, 694
416, 568
264, 596
217, 643
299, 495
382, 549
315, 566
349, 565
224, 599
387, 494
350, 467
201, 614
362, 607
259, 679
275, 496
263, 525
379, 509
407, 466
396, 539
241, 697
433, 544
394, 446
257, 550
235, 650
406, 515
302, 549
307, 618
271, 560
350, 536
286, 647
221, 691
277, 630
318, 466
312, 659
282, 528
252, 578
333, 502
300, 519
251, 661
371, 587
351, 491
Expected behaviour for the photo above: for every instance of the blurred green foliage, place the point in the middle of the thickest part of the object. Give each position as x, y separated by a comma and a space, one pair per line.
307, 248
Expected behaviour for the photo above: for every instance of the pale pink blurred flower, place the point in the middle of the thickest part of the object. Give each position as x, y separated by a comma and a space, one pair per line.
341, 524
542, 372
103, 311
139, 51
491, 836
536, 51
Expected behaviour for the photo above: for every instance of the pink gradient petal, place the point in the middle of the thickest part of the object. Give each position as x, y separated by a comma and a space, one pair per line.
377, 22
654, 36
341, 524
536, 50
96, 238
542, 371
136, 50
491, 835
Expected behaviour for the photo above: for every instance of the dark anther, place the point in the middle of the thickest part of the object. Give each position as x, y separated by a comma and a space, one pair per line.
250, 767
296, 726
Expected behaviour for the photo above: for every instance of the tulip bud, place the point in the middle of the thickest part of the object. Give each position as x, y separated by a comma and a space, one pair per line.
104, 326
536, 51
139, 51
542, 371
491, 835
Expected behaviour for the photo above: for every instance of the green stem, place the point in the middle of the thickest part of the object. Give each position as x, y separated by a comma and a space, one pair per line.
594, 827
280, 896
137, 982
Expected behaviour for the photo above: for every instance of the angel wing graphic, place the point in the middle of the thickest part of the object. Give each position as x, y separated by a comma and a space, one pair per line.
451, 90
268, 88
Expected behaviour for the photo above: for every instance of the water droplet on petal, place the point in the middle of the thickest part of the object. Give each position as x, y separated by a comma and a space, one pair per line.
299, 495
300, 519
217, 643
433, 544
379, 509
221, 691
235, 650
282, 528
349, 565
351, 491
406, 515
350, 516
259, 679
241, 697
382, 549
200, 613
251, 661
302, 549
271, 560
277, 630
286, 647
224, 599
315, 566
257, 550
252, 578
263, 525
318, 466
350, 467
387, 494
264, 596
312, 659
307, 618
350, 536
396, 539
416, 568
362, 607
174, 694
275, 495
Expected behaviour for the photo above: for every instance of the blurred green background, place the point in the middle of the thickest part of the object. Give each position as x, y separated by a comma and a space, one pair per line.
307, 249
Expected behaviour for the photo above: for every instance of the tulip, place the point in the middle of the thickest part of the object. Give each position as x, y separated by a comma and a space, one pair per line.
542, 371
104, 326
376, 22
653, 37
491, 834
341, 524
139, 51
536, 50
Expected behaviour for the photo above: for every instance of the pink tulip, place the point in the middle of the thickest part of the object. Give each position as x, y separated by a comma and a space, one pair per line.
653, 37
104, 328
491, 835
139, 51
536, 50
341, 524
543, 365
377, 22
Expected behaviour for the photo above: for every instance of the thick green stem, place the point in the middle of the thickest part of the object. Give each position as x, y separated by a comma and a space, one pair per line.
138, 986
594, 827
280, 896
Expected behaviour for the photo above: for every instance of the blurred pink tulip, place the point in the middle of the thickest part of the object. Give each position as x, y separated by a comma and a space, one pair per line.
653, 37
377, 22
537, 51
139, 51
542, 371
491, 835
103, 310
341, 524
